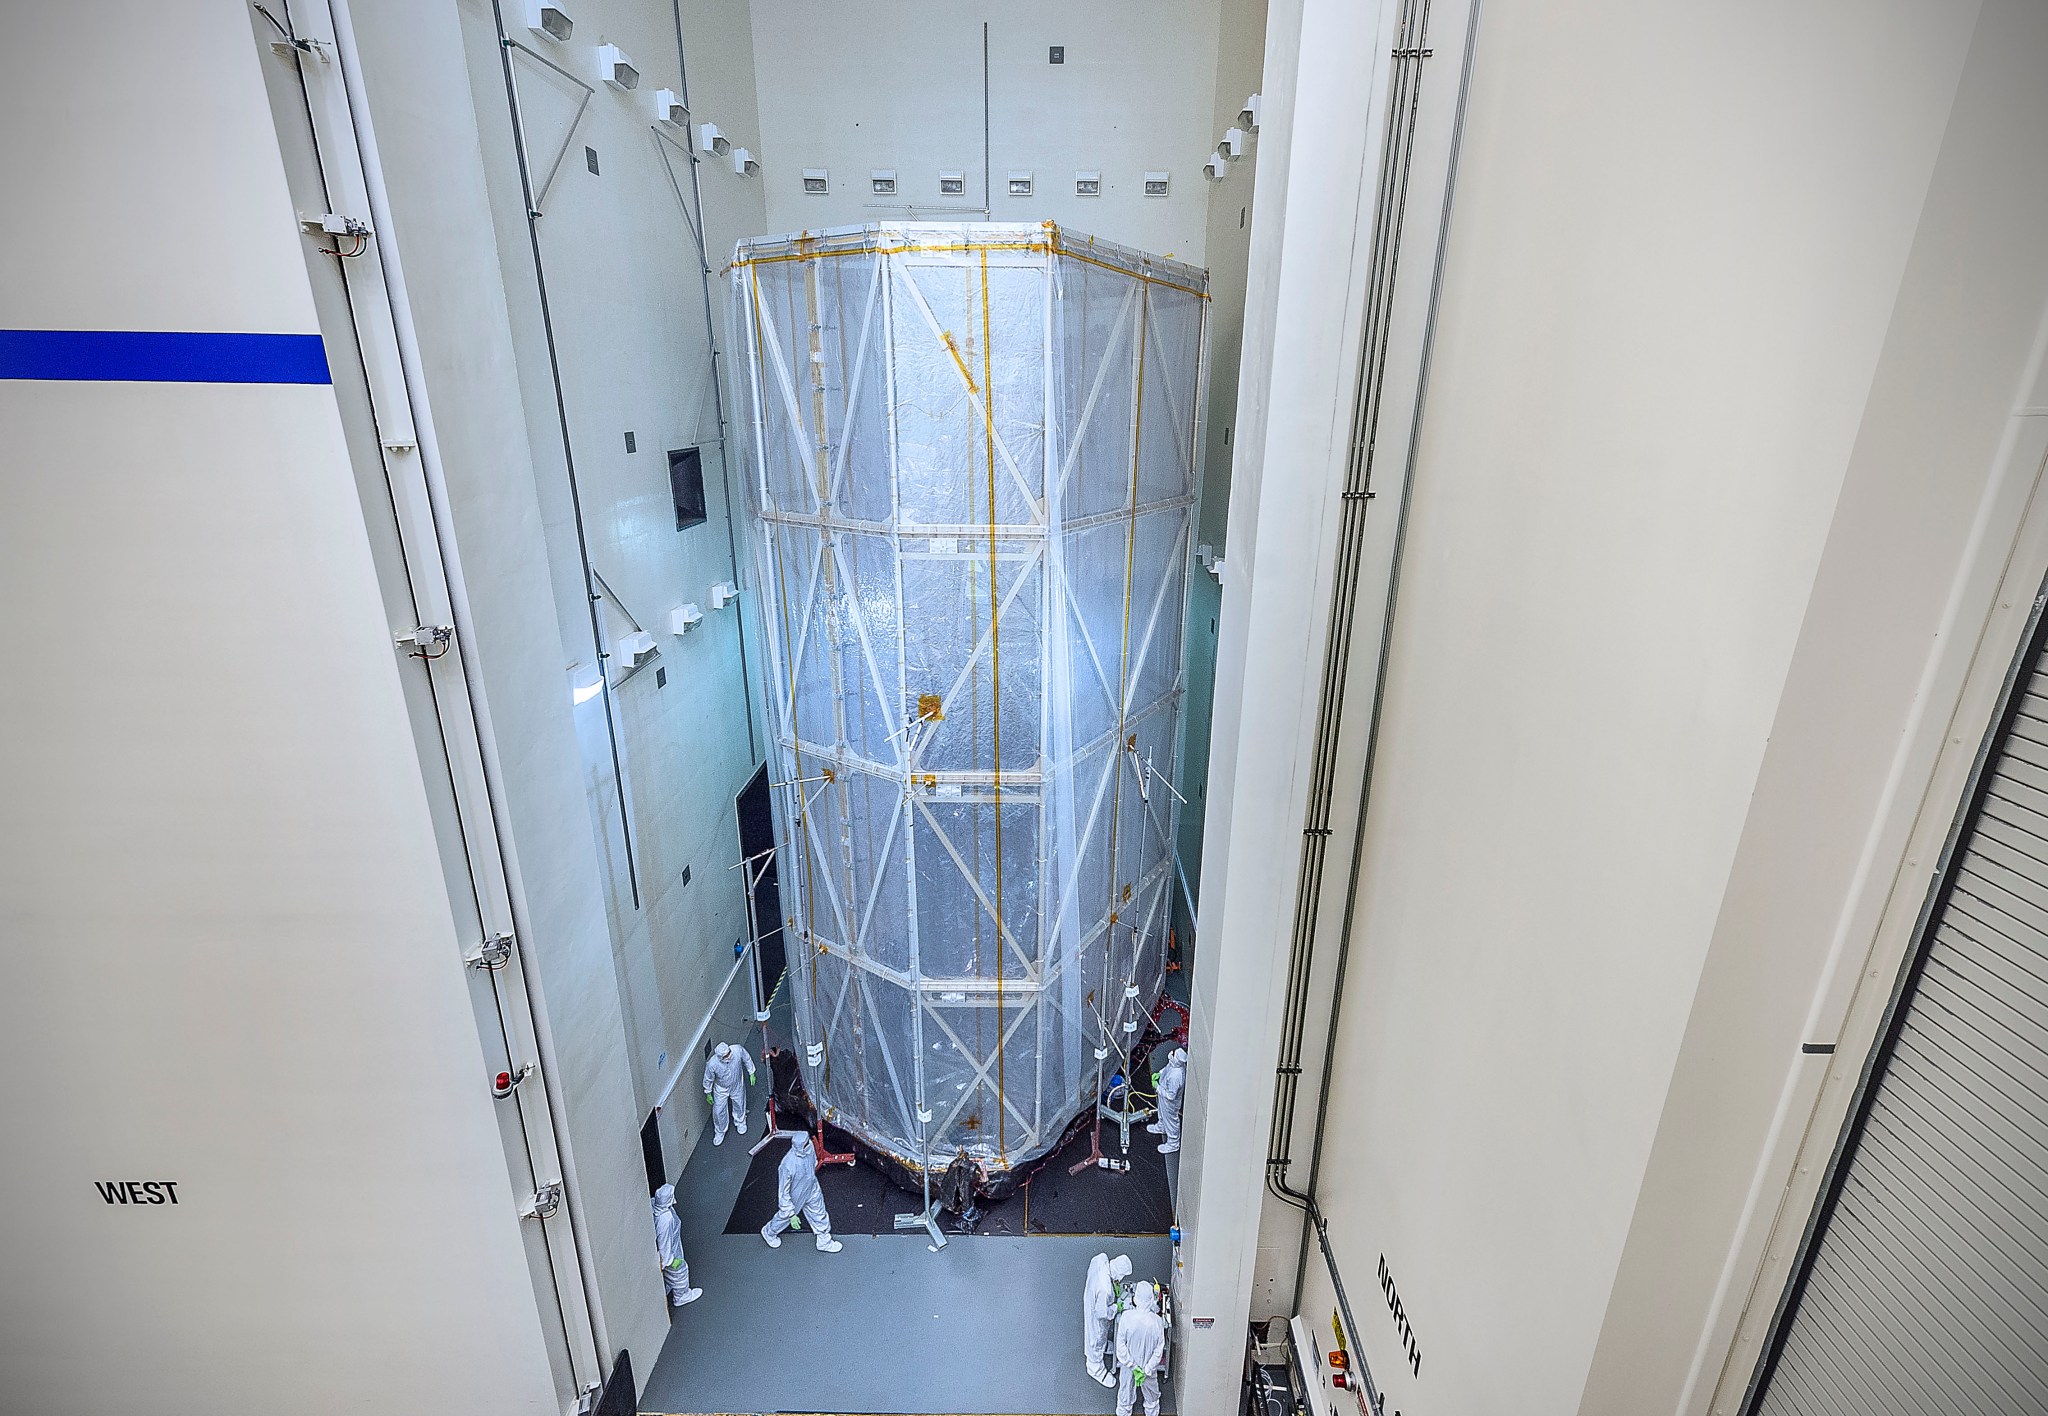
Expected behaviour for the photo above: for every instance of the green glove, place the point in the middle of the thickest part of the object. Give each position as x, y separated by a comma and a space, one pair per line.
1137, 1379
1155, 1081
707, 1098
796, 1221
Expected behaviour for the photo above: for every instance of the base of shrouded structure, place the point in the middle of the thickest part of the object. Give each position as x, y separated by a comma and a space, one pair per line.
993, 1184
907, 1174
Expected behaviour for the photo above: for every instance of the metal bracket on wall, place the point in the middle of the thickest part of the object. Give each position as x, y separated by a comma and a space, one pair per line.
493, 954
540, 196
546, 1200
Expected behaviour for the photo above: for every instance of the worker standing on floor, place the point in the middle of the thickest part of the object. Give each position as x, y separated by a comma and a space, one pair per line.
796, 1189
1170, 1082
1098, 1312
668, 1242
725, 1090
1140, 1351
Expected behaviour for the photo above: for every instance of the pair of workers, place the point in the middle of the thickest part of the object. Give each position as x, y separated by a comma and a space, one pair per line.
1133, 1335
796, 1177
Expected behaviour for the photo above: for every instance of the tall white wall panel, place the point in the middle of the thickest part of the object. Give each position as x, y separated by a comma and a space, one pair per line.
230, 957
1711, 498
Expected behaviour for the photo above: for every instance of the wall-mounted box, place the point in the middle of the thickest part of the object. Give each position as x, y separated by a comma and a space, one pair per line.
743, 163
952, 184
1087, 184
817, 182
1232, 146
682, 617
712, 139
616, 69
1155, 184
1020, 184
882, 183
668, 108
550, 22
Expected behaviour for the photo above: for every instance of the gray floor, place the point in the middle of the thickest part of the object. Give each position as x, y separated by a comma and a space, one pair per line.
988, 1325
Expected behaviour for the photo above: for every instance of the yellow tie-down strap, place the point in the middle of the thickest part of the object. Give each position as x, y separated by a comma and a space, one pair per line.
1050, 244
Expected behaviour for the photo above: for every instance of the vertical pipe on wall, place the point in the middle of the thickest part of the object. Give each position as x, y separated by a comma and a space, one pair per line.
986, 210
393, 421
1389, 215
547, 321
1372, 737
732, 549
411, 365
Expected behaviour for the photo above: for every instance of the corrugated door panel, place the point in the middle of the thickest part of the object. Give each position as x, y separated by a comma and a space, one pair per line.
1925, 1289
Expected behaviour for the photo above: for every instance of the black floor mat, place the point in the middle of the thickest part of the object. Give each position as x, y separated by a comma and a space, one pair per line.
1097, 1201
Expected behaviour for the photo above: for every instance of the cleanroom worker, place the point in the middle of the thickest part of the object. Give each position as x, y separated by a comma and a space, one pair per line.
1170, 1082
1140, 1351
1098, 1312
668, 1242
724, 1089
796, 1188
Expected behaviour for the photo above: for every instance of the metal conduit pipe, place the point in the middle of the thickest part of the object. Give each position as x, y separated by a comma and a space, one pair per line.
412, 366
506, 44
732, 549
1389, 212
1312, 1213
478, 864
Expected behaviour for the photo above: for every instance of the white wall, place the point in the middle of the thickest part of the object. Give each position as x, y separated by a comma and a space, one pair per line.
1728, 342
853, 89
230, 954
1302, 315
1240, 59
629, 331
1850, 804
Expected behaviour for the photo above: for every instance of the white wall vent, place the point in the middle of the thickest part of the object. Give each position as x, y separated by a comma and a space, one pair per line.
616, 69
952, 184
817, 182
1155, 184
1087, 184
882, 184
550, 22
1020, 184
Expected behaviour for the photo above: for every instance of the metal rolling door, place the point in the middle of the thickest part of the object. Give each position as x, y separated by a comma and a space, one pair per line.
1924, 1285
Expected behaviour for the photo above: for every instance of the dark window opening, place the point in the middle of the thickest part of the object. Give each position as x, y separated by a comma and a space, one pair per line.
686, 486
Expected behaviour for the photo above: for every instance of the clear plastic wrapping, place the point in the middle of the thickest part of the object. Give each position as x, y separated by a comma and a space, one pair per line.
970, 460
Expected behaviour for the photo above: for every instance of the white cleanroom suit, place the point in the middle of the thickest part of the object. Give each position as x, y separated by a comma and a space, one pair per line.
1140, 1351
796, 1189
1098, 1312
668, 1242
1171, 1081
725, 1090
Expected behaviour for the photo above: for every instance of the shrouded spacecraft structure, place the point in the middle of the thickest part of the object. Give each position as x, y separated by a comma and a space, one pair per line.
970, 457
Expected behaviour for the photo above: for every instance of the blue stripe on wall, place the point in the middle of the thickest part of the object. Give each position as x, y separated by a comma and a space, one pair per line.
148, 356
